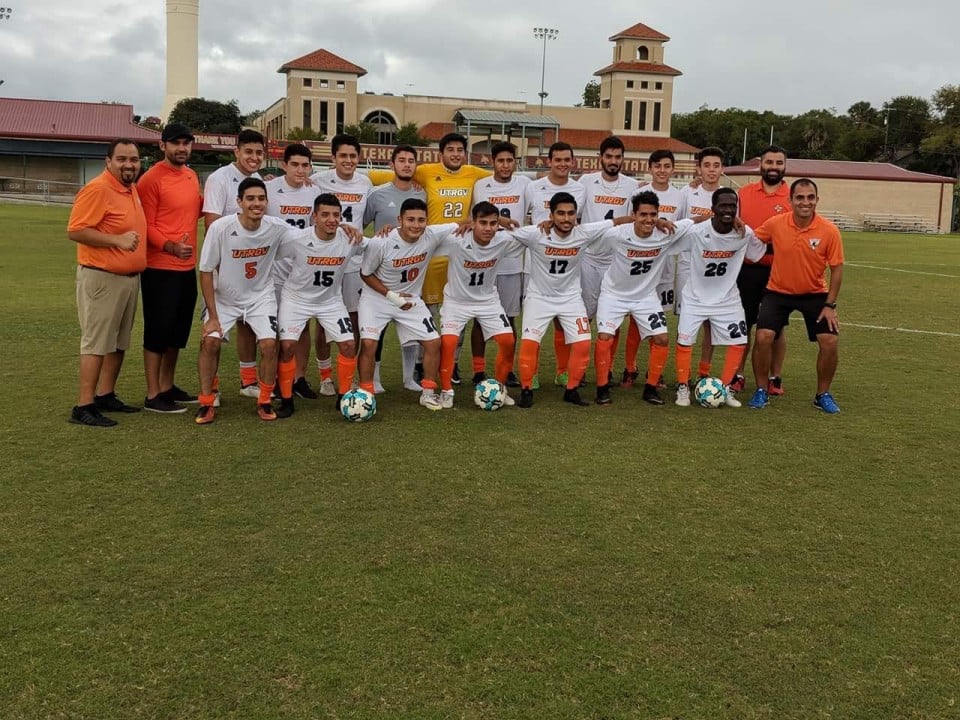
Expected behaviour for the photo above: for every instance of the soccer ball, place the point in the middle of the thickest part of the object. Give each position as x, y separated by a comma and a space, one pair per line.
358, 405
710, 393
488, 395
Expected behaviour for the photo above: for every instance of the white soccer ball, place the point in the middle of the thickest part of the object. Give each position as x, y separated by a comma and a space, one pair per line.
488, 395
710, 393
358, 405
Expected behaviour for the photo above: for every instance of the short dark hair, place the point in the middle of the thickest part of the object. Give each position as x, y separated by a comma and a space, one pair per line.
484, 209
328, 199
297, 149
773, 149
452, 138
248, 183
112, 147
645, 197
710, 152
658, 155
803, 181
403, 148
248, 137
558, 147
341, 140
413, 204
612, 143
503, 146
562, 197
721, 191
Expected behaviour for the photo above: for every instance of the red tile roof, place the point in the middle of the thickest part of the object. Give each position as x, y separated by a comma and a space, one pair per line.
78, 121
323, 60
639, 67
842, 170
641, 32
583, 139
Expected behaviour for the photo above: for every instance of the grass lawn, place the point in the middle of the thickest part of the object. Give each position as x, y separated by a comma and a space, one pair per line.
620, 562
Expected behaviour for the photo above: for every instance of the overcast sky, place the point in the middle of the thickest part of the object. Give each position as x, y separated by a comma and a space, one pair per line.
786, 57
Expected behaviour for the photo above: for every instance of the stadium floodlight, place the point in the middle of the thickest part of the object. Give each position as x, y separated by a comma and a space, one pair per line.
5, 13
543, 33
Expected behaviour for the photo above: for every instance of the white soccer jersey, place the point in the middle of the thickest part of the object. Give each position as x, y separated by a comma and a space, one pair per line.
292, 205
220, 190
402, 265
669, 200
555, 261
539, 192
473, 269
508, 197
243, 258
605, 200
351, 193
715, 261
316, 266
638, 262
694, 202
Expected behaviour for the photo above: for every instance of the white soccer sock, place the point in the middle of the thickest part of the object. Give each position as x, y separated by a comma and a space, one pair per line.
408, 354
376, 373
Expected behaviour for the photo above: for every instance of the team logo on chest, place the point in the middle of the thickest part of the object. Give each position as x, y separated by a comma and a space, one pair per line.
404, 262
313, 260
717, 254
643, 253
243, 254
561, 252
814, 243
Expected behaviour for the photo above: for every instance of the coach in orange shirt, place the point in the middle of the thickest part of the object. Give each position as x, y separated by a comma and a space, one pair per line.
109, 227
804, 245
171, 197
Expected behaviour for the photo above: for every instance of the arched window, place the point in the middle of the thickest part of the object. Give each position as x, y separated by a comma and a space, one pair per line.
385, 124
643, 53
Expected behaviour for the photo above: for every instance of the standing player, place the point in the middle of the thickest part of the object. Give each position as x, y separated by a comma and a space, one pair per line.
394, 267
219, 199
311, 264
291, 199
505, 189
710, 297
241, 249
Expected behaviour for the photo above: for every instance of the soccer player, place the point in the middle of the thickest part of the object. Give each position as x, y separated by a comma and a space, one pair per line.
290, 199
311, 264
241, 249
471, 294
804, 245
505, 189
554, 292
219, 199
759, 202
710, 297
170, 193
629, 288
393, 268
383, 208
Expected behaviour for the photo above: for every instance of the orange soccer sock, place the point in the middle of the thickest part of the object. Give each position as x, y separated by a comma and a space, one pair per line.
448, 352
479, 364
632, 347
248, 373
561, 350
529, 357
616, 345
658, 361
286, 370
207, 399
266, 392
579, 359
428, 384
703, 369
345, 370
325, 368
684, 358
368, 386
602, 358
735, 355
503, 364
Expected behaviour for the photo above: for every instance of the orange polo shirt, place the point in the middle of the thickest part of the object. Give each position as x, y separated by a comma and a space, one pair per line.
171, 201
801, 255
757, 206
107, 205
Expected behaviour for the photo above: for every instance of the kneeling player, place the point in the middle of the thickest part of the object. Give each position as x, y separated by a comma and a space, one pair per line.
241, 249
471, 294
711, 294
317, 258
393, 270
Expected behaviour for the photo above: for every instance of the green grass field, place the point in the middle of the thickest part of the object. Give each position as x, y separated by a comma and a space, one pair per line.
621, 562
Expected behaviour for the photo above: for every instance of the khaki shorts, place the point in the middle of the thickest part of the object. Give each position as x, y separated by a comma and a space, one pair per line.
106, 307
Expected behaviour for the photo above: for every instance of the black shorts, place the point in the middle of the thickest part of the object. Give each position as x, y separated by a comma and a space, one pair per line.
752, 283
776, 307
169, 299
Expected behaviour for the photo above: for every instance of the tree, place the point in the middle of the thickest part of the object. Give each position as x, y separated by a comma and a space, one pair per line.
907, 119
364, 132
299, 133
409, 134
591, 94
210, 116
250, 117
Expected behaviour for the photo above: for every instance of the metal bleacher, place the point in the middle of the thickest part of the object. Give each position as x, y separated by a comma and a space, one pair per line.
841, 220
889, 222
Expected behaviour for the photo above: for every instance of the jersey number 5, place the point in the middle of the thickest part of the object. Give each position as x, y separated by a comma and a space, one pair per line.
250, 270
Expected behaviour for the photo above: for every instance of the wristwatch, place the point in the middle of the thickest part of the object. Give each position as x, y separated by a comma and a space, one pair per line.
832, 306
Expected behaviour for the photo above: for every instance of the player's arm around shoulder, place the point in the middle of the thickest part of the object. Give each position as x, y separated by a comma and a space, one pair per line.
755, 248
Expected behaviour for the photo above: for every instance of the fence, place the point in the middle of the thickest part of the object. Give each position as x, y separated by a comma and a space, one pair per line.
38, 191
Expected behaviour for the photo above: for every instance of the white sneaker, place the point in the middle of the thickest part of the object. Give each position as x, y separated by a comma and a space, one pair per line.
731, 399
683, 395
430, 400
412, 386
507, 400
252, 390
327, 388
378, 389
216, 398
446, 399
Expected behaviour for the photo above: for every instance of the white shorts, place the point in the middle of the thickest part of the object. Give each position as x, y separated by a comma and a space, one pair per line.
680, 279
591, 277
332, 316
727, 325
413, 325
454, 316
539, 312
667, 296
260, 315
352, 285
646, 312
510, 290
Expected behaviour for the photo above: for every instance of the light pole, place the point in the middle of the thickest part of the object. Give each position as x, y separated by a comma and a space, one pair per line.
5, 15
542, 33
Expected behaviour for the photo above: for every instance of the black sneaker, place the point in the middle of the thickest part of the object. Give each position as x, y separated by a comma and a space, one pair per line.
301, 388
456, 374
526, 398
651, 395
163, 404
573, 397
89, 415
418, 373
603, 395
178, 395
111, 403
512, 381
286, 408
478, 377
629, 378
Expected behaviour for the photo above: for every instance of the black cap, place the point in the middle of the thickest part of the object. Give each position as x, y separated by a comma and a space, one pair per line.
175, 131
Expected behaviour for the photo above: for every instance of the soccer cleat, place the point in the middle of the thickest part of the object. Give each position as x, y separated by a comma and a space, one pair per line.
163, 404
430, 400
446, 399
286, 408
507, 400
456, 374
378, 389
302, 389
412, 386
730, 400
206, 414
628, 378
824, 401
535, 385
561, 380
111, 403
572, 396
512, 381
177, 395
738, 384
89, 415
775, 385
759, 400
251, 391
651, 395
266, 412
478, 377
603, 395
683, 395
526, 398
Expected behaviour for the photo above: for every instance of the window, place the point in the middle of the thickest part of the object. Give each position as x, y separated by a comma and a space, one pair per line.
643, 53
308, 82
629, 84
658, 86
324, 119
340, 110
324, 83
341, 85
642, 120
307, 123
656, 117
628, 115
644, 85
385, 124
